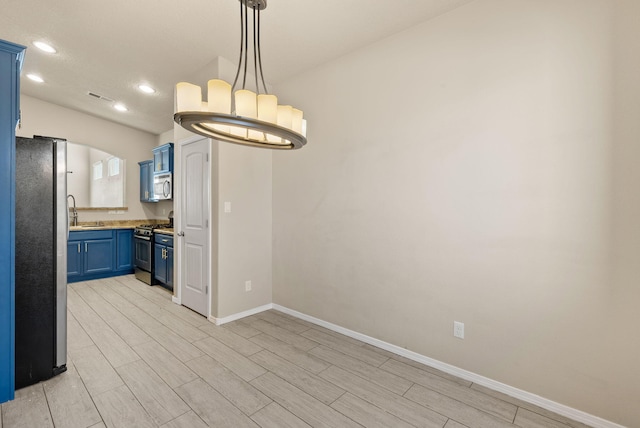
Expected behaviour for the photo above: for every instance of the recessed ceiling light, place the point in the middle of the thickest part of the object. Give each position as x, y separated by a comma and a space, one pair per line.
35, 78
120, 107
146, 89
45, 47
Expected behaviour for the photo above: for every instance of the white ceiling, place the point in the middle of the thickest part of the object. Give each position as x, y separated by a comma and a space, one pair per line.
109, 47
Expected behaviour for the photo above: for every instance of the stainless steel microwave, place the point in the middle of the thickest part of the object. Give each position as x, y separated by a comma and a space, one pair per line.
162, 187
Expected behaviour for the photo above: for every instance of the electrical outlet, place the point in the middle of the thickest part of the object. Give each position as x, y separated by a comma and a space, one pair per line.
458, 329
247, 286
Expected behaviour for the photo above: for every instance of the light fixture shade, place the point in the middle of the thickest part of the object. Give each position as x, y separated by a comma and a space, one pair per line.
296, 120
246, 104
285, 118
238, 131
188, 97
304, 128
268, 112
268, 108
272, 138
219, 96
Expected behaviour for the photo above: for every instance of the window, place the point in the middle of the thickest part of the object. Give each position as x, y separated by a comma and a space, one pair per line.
113, 166
97, 170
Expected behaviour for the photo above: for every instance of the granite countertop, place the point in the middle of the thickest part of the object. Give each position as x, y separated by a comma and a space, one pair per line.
164, 231
96, 227
115, 224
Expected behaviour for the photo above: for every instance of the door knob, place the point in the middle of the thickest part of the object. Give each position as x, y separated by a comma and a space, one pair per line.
180, 233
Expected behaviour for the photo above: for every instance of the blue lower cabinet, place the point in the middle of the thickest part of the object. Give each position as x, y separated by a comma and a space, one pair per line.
163, 259
94, 254
160, 264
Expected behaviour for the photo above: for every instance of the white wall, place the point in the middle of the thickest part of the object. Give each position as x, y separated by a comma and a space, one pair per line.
244, 234
165, 137
78, 165
132, 145
620, 311
480, 167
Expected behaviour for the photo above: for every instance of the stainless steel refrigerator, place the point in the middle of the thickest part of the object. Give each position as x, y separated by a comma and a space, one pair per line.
40, 259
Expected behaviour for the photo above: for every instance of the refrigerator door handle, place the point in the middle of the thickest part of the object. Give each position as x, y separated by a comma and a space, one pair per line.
61, 255
68, 225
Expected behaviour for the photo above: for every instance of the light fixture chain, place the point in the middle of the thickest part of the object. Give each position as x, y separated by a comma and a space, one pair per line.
235, 81
255, 50
266, 91
246, 46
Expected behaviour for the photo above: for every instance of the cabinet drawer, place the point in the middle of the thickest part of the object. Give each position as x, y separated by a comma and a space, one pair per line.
162, 239
75, 235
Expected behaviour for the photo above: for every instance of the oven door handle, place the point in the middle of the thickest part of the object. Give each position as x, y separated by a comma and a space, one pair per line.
146, 238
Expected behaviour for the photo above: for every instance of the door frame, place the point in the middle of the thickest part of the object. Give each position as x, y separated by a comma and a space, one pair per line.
177, 215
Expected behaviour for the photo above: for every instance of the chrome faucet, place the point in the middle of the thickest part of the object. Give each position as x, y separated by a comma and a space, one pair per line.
74, 215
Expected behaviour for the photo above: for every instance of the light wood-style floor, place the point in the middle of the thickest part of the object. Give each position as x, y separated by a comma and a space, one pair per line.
138, 360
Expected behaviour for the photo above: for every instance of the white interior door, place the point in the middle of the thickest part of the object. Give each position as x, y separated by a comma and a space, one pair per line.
194, 224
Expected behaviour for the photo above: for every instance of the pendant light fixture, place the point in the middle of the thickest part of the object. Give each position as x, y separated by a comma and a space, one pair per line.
242, 116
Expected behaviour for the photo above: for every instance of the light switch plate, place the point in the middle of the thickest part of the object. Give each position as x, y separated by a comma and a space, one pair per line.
227, 207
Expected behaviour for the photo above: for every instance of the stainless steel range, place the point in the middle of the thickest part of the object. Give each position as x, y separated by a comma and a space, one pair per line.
143, 240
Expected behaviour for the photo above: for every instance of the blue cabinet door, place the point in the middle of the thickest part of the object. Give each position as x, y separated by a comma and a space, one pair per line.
163, 159
146, 181
11, 56
98, 256
160, 264
74, 259
152, 197
169, 266
124, 250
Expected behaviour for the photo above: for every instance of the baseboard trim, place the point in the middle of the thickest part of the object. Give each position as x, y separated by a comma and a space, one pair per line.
561, 409
175, 300
239, 315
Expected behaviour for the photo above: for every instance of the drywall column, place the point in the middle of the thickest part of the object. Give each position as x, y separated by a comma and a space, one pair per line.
241, 178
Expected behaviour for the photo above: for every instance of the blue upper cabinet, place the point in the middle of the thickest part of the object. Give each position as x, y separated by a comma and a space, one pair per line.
163, 159
11, 56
